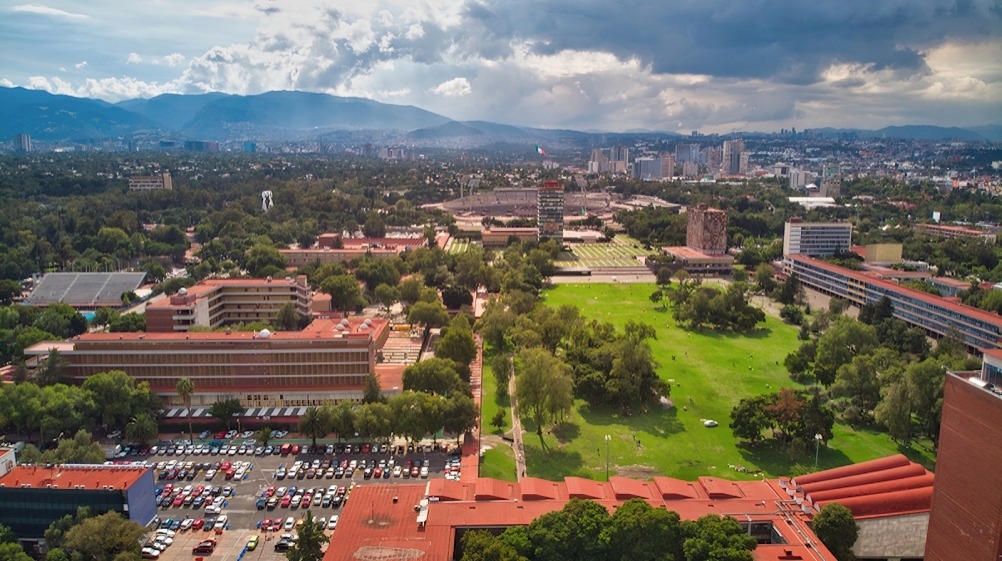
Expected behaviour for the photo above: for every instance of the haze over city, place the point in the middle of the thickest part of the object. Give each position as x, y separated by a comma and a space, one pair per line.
713, 66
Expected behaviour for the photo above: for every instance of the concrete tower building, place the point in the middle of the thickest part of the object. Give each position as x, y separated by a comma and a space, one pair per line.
707, 230
550, 211
731, 161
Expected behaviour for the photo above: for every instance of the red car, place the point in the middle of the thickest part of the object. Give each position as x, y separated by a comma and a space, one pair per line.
276, 525
225, 466
178, 500
269, 491
266, 523
366, 448
220, 435
198, 523
295, 449
378, 472
286, 500
307, 499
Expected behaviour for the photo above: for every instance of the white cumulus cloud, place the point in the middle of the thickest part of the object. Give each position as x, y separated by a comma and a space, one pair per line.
173, 59
80, 65
134, 58
46, 11
454, 88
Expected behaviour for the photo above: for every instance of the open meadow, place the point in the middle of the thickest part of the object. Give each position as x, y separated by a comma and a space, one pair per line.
709, 373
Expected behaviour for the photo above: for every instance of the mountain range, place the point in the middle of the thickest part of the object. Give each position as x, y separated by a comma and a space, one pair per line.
289, 115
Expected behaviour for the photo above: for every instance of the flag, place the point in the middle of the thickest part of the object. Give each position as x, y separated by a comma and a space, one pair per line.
540, 151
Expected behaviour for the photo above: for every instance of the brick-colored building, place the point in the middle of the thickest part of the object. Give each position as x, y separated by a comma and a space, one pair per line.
328, 361
218, 302
966, 519
161, 182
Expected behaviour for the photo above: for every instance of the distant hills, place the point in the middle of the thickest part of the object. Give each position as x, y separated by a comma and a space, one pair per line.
289, 115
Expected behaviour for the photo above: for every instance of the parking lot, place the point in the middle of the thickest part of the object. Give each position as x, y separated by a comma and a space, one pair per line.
258, 484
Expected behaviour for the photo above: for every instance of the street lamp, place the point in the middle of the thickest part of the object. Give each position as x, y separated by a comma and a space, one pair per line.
608, 439
817, 447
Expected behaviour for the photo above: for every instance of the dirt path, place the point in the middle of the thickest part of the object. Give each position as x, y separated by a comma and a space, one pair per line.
516, 431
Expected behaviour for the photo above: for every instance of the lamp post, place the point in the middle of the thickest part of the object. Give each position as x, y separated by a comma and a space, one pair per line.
608, 439
817, 447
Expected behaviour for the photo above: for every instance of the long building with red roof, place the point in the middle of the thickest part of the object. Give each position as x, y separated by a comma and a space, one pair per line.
33, 497
327, 361
977, 328
427, 521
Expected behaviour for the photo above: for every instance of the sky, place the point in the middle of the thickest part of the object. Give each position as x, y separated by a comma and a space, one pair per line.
715, 66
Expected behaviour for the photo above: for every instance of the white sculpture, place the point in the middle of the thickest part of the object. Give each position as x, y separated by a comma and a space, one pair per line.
267, 200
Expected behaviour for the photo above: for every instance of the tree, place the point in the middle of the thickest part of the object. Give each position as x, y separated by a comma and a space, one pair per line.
837, 346
55, 534
435, 376
716, 538
410, 289
501, 368
574, 532
499, 419
342, 418
127, 323
264, 260
225, 409
7, 535
288, 317
185, 387
309, 546
785, 411
765, 277
12, 551
640, 532
428, 314
459, 414
344, 291
103, 537
142, 429
895, 411
117, 396
457, 344
750, 417
313, 424
837, 529
481, 545
925, 386
387, 295
543, 386
373, 390
263, 435
52, 371
81, 449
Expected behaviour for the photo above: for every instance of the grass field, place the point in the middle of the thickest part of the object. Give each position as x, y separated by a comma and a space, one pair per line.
621, 252
498, 463
490, 402
459, 245
709, 373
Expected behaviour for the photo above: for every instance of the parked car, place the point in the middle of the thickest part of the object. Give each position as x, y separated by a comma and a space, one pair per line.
206, 546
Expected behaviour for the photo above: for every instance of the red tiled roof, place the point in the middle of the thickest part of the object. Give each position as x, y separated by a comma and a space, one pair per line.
993, 353
720, 488
910, 470
68, 477
532, 489
626, 488
888, 462
876, 488
487, 489
317, 329
448, 490
895, 503
675, 489
580, 488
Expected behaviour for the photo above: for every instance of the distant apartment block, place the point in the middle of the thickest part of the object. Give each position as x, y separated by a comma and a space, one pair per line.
946, 231
201, 146
647, 169
978, 329
22, 143
159, 182
219, 302
816, 239
550, 211
732, 161
667, 165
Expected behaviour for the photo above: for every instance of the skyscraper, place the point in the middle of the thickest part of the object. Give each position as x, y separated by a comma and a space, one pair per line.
731, 163
550, 211
22, 143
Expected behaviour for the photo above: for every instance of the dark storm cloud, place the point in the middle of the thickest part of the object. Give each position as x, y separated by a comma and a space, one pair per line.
790, 41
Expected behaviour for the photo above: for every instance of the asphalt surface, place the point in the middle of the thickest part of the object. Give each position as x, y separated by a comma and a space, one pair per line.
243, 515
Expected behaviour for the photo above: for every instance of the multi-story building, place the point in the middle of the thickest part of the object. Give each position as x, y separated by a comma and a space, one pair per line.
599, 162
22, 143
991, 368
8, 459
731, 159
647, 169
937, 316
337, 241
801, 178
707, 230
667, 165
33, 497
218, 302
965, 522
816, 239
946, 231
550, 211
329, 360
160, 182
498, 238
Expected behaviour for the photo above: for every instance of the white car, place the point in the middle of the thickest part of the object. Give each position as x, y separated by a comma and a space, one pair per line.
212, 509
220, 522
168, 540
332, 523
166, 532
424, 472
709, 423
290, 523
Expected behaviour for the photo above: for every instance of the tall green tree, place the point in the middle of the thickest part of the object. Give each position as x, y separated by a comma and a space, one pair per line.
481, 545
118, 397
185, 388
345, 293
716, 538
310, 543
105, 537
460, 415
640, 532
837, 529
225, 409
142, 429
543, 386
838, 345
314, 424
373, 389
435, 376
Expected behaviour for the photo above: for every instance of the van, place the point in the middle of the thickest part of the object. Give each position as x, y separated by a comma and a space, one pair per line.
220, 522
285, 449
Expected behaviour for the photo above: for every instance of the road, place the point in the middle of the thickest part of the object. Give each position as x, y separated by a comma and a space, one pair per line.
516, 431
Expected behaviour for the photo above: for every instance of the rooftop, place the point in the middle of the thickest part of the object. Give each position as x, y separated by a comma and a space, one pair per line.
75, 476
381, 521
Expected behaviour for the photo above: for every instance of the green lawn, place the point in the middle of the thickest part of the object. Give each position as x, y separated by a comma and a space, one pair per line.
498, 463
490, 402
709, 373
621, 252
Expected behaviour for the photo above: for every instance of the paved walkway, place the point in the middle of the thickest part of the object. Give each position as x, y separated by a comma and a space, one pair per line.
516, 431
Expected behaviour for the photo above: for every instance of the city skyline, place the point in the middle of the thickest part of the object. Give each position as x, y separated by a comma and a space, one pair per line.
717, 66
